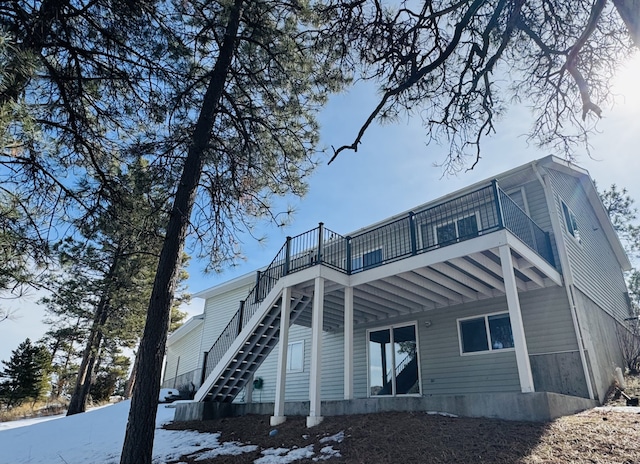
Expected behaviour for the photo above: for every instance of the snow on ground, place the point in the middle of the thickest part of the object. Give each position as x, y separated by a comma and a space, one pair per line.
96, 437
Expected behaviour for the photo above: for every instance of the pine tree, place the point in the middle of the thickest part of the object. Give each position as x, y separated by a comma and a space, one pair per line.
110, 269
62, 341
25, 375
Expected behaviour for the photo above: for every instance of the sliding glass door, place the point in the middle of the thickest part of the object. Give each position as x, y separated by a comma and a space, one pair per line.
393, 361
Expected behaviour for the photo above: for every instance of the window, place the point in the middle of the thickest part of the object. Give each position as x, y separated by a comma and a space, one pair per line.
570, 222
519, 197
366, 260
461, 228
295, 356
485, 333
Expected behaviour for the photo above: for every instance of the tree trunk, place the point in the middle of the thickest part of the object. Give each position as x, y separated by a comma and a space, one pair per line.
629, 11
138, 442
64, 381
78, 402
132, 378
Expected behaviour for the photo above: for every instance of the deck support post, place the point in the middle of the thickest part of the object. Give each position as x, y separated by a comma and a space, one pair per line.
281, 376
348, 343
248, 391
515, 316
315, 416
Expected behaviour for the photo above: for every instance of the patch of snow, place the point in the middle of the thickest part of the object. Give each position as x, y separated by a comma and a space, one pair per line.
631, 409
96, 437
327, 453
169, 445
440, 413
338, 438
278, 456
230, 448
275, 451
26, 422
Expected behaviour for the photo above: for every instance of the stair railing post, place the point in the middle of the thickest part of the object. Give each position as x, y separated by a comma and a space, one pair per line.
320, 239
258, 275
412, 233
241, 315
287, 259
348, 252
203, 374
496, 194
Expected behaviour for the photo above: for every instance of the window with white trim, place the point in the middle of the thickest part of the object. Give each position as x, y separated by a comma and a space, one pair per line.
490, 332
461, 228
295, 356
570, 221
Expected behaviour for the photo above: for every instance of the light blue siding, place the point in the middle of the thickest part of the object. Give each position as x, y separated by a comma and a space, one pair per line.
219, 310
548, 328
595, 269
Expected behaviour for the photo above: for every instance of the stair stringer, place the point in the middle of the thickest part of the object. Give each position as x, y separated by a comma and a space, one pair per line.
239, 372
245, 334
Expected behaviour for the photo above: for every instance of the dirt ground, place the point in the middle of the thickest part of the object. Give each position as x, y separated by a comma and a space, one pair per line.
594, 436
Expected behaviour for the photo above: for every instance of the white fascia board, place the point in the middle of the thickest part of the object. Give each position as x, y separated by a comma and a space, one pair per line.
534, 258
607, 225
228, 285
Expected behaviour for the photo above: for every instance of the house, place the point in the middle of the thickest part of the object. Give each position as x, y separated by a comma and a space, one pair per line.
501, 300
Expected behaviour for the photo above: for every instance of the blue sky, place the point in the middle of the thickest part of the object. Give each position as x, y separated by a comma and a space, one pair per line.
393, 171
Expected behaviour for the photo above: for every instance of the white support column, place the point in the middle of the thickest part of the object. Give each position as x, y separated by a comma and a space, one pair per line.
248, 391
348, 343
281, 376
515, 315
315, 416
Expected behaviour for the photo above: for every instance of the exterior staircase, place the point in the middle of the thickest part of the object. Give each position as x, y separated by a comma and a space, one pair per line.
257, 343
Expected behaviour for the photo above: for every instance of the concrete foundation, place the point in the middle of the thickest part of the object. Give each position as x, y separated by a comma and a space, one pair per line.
533, 407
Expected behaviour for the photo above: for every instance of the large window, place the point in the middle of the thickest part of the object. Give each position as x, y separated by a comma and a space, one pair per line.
485, 333
393, 361
295, 356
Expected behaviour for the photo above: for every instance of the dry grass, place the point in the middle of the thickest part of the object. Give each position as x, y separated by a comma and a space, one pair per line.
28, 410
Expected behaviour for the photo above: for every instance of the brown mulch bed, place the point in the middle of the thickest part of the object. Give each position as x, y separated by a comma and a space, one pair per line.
594, 436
